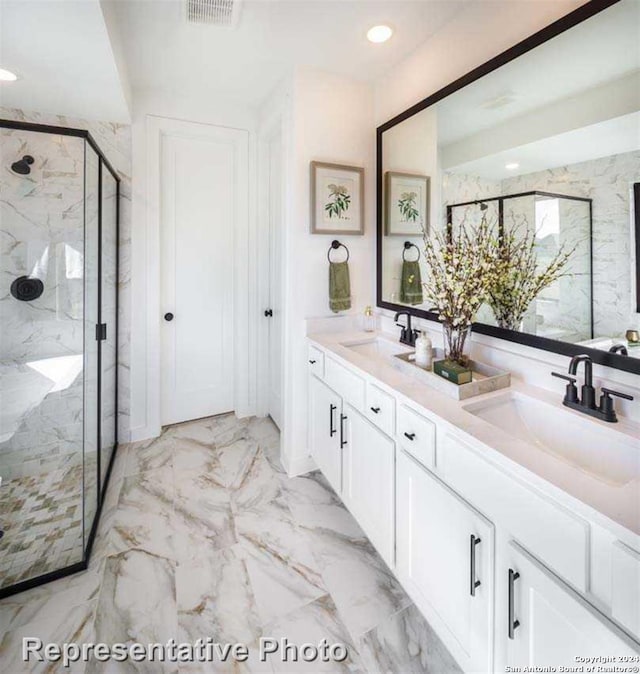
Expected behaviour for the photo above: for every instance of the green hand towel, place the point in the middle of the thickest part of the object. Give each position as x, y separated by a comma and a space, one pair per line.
339, 287
411, 283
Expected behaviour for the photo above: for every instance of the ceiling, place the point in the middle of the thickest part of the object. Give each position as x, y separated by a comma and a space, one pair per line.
162, 51
604, 139
558, 69
62, 53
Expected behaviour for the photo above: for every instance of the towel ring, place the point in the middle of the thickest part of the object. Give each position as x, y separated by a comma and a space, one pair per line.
407, 246
335, 244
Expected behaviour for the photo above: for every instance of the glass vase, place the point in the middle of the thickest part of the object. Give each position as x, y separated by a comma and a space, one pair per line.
456, 343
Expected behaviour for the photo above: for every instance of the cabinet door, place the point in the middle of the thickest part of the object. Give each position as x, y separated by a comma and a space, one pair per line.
368, 481
445, 559
550, 625
325, 412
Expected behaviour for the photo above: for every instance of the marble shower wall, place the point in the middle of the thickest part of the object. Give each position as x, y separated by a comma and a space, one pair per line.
41, 235
115, 142
608, 181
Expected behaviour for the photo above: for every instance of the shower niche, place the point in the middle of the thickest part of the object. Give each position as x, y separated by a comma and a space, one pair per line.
59, 200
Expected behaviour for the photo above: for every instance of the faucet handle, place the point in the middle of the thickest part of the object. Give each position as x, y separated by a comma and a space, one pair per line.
571, 392
566, 377
606, 403
609, 392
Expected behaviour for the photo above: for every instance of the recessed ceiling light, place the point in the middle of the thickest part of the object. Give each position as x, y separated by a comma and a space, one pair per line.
512, 166
379, 33
7, 76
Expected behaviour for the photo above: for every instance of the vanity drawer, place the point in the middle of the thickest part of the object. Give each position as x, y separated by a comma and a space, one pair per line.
316, 361
554, 535
417, 435
625, 600
345, 383
381, 409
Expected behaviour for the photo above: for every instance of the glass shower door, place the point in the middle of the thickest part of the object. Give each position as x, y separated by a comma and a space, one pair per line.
91, 346
41, 353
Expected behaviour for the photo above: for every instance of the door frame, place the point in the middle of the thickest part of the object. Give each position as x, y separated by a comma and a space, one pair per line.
156, 128
271, 127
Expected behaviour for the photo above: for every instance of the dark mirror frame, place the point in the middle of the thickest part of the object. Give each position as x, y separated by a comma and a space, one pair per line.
567, 22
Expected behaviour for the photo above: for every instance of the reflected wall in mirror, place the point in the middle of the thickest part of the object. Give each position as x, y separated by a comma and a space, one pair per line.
548, 143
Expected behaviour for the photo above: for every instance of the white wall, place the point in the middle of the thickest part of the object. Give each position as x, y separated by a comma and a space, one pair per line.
331, 120
145, 344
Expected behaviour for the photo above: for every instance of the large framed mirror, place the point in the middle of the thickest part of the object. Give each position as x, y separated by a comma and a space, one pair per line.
545, 139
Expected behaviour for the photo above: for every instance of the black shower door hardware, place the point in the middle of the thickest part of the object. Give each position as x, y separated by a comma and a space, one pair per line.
268, 313
101, 332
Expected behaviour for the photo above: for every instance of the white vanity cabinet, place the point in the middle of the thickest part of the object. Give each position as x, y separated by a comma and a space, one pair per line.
550, 625
368, 484
444, 559
506, 573
326, 430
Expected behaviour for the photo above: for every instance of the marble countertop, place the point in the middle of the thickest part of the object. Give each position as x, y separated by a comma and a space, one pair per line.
615, 507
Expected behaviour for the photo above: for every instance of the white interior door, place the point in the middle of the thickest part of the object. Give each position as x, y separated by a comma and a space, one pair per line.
275, 281
198, 211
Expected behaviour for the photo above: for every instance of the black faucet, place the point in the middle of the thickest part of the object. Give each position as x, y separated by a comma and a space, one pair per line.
407, 335
619, 348
587, 403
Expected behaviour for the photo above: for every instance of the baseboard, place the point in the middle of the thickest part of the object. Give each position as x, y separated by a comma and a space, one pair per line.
144, 433
300, 465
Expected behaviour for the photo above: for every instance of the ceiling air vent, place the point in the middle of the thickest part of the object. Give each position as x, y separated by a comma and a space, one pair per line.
223, 13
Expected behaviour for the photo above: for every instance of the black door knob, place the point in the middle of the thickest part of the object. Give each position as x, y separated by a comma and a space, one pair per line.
168, 316
268, 313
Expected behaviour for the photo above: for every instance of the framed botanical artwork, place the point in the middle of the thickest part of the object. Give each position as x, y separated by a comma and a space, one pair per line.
337, 199
406, 197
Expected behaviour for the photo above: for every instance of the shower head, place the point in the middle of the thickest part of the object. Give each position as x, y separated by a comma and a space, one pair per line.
23, 166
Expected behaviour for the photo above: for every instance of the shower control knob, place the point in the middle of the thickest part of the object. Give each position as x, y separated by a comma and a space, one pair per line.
168, 316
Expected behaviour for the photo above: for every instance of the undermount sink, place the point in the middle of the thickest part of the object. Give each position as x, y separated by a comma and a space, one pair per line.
377, 347
613, 458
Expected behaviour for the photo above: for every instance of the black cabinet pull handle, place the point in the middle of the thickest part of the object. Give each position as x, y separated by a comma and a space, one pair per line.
313, 362
343, 442
268, 313
473, 583
513, 624
332, 430
168, 316
375, 410
411, 436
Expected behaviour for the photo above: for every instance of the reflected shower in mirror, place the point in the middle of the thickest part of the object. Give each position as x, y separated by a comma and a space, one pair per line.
545, 146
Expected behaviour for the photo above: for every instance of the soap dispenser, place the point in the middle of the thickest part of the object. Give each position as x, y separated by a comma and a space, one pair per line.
369, 320
424, 351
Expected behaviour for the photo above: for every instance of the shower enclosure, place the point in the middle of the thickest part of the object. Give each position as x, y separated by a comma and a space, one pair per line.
563, 310
58, 348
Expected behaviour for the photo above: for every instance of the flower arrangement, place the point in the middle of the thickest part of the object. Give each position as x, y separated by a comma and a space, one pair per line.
517, 277
459, 273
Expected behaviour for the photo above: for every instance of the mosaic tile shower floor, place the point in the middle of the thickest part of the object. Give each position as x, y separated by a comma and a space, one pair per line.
203, 535
41, 516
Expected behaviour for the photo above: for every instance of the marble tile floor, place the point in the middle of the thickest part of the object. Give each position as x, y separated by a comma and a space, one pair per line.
41, 516
203, 535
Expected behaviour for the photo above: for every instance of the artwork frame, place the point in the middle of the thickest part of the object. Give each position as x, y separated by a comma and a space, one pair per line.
337, 199
404, 217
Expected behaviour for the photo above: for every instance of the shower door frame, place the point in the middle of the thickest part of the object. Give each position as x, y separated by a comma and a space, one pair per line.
102, 489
